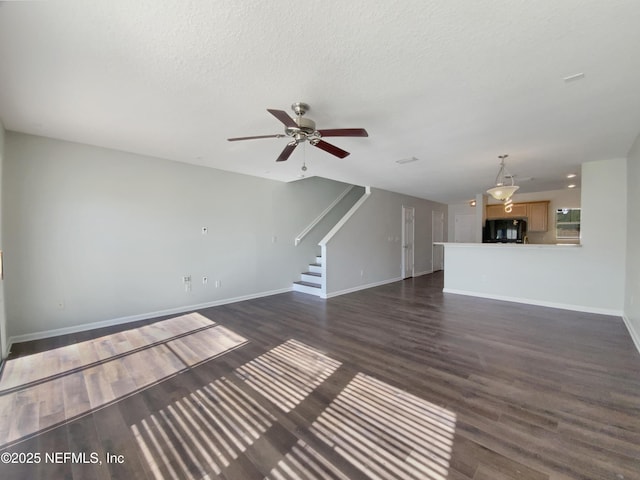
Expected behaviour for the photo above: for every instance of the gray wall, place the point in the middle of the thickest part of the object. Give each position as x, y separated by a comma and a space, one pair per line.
632, 291
97, 235
3, 325
367, 250
603, 229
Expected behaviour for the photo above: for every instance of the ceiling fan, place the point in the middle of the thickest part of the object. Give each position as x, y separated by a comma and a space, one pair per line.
303, 129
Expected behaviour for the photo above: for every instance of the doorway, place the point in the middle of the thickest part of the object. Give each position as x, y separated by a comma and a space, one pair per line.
408, 234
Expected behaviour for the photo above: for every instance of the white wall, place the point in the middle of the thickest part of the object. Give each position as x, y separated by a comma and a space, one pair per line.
457, 209
375, 257
3, 325
604, 225
632, 291
590, 277
93, 235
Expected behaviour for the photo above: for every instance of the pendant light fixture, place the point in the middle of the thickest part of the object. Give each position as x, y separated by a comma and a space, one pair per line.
502, 191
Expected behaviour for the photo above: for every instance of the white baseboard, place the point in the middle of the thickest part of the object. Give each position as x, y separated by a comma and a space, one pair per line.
635, 335
563, 306
419, 274
360, 287
134, 318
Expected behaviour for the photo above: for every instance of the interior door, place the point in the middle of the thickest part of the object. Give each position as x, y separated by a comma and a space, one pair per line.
408, 233
437, 233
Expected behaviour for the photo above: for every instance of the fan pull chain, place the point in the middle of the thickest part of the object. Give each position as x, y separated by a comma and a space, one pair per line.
304, 157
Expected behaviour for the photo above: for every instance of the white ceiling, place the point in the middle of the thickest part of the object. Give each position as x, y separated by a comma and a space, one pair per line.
453, 83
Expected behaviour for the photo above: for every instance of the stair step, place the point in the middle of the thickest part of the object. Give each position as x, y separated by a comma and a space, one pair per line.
307, 287
314, 274
319, 260
307, 284
315, 268
311, 277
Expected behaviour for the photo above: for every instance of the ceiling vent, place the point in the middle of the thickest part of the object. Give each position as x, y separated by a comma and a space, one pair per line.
402, 161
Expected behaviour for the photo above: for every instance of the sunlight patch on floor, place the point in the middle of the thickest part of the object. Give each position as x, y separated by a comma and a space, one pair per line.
288, 373
388, 433
36, 406
38, 366
201, 433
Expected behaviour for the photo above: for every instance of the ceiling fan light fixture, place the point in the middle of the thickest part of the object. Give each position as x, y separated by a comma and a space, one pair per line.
502, 191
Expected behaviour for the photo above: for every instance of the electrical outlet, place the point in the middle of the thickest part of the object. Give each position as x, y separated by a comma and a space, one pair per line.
205, 280
186, 278
205, 230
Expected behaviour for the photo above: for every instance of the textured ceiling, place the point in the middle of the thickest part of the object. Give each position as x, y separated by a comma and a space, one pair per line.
453, 83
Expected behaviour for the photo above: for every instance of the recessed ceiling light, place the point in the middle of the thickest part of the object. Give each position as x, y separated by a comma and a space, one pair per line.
571, 175
402, 161
571, 186
574, 77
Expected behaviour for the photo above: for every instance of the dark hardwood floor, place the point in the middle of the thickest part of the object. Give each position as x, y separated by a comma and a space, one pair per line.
399, 381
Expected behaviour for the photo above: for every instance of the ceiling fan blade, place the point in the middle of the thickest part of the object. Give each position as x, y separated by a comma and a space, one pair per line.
283, 117
332, 149
344, 132
278, 135
286, 153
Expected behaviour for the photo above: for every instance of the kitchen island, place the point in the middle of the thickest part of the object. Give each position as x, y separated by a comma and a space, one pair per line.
559, 276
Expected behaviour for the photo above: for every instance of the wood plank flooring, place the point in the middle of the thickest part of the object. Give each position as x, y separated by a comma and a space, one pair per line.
399, 381
67, 382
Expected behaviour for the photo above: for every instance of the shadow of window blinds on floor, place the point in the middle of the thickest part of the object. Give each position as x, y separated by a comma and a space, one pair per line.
388, 433
288, 373
201, 433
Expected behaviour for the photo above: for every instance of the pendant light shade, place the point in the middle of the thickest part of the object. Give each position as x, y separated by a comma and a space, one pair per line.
502, 191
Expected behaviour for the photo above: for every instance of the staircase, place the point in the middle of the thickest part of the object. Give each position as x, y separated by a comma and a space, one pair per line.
311, 280
331, 218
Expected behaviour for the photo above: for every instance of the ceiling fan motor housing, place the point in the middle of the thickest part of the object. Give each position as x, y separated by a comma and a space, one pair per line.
306, 129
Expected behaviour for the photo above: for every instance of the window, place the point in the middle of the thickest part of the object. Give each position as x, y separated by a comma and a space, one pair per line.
568, 223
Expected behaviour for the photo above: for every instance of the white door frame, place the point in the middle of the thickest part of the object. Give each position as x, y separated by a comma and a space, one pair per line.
408, 242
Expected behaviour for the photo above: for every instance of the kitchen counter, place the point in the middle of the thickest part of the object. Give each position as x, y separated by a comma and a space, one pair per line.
559, 276
509, 245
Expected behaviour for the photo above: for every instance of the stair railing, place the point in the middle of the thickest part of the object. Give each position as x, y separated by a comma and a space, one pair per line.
324, 213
